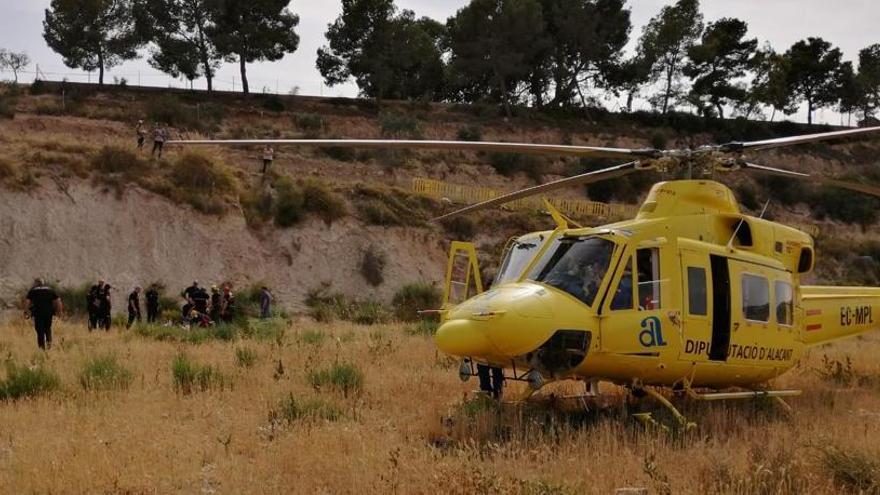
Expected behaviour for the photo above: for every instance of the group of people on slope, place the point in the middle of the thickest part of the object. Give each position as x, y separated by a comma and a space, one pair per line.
160, 134
204, 309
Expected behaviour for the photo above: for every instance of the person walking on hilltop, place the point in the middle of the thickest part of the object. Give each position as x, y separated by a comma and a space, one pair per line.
93, 301
152, 297
43, 304
268, 158
105, 317
160, 135
266, 299
134, 307
141, 132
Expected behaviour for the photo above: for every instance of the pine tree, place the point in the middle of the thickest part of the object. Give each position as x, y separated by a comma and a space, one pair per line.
92, 34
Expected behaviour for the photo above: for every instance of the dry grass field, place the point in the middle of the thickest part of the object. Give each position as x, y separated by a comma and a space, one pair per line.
340, 408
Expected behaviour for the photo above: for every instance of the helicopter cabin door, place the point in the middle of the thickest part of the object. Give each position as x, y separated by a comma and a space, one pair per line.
697, 302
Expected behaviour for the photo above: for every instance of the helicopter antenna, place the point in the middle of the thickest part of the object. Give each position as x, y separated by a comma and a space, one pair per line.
740, 224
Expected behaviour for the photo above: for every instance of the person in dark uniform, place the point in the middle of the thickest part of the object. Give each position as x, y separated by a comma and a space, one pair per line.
105, 309
187, 294
491, 380
216, 303
152, 297
266, 299
200, 300
134, 307
93, 301
227, 310
43, 304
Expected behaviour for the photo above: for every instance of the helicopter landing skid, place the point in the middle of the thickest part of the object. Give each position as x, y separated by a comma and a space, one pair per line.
647, 418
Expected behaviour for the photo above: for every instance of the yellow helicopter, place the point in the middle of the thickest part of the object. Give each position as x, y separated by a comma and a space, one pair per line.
691, 295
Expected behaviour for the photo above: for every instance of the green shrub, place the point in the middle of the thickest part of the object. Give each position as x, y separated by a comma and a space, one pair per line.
289, 203
748, 196
462, 228
327, 307
245, 357
412, 298
343, 377
199, 174
470, 133
319, 199
168, 109
312, 337
399, 126
28, 381
368, 313
258, 206
423, 328
104, 373
8, 106
838, 204
38, 87
659, 139
373, 266
852, 470
509, 164
273, 103
339, 153
291, 410
274, 329
309, 123
191, 377
118, 160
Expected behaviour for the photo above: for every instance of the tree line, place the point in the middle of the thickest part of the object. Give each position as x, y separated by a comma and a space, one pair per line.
553, 54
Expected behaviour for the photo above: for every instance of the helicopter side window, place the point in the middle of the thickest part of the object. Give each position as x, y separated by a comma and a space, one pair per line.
755, 298
576, 266
697, 291
784, 304
623, 296
648, 264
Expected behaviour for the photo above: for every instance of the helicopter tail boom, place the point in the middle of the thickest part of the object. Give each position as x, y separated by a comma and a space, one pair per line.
832, 313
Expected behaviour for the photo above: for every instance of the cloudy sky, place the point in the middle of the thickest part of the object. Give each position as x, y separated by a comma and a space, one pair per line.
849, 24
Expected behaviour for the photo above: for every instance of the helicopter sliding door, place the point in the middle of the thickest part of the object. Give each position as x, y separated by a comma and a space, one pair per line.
720, 345
696, 306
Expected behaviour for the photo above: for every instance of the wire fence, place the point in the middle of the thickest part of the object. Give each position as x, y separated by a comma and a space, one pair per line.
221, 82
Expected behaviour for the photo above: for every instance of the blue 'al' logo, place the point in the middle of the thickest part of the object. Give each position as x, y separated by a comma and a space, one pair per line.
652, 333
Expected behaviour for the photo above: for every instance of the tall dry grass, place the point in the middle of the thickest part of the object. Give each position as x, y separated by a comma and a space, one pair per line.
406, 427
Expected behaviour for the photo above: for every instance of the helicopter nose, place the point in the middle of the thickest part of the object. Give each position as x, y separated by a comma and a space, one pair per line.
506, 322
462, 338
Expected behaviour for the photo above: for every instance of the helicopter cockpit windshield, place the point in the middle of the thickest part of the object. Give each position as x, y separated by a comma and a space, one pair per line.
517, 258
576, 266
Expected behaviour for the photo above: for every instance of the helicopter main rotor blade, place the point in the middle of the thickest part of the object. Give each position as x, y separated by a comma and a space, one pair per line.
537, 149
793, 140
825, 181
583, 179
